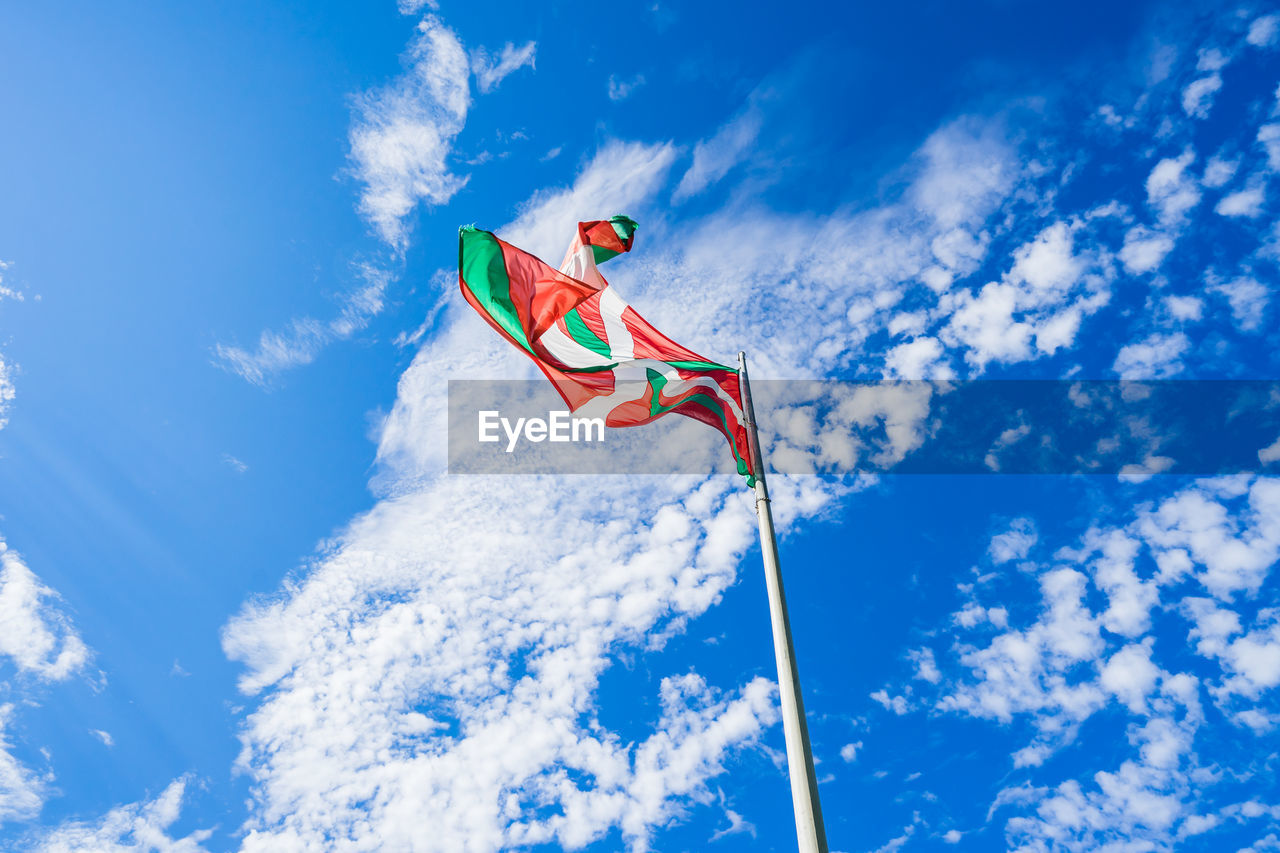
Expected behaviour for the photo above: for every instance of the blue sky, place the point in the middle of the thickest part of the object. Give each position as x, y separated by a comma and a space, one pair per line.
244, 607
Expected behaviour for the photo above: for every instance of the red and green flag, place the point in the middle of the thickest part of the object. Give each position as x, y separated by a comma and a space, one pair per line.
603, 358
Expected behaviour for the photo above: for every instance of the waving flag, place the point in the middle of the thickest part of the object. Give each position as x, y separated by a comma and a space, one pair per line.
604, 359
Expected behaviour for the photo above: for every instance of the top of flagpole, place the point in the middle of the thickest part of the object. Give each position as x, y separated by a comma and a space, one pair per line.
753, 439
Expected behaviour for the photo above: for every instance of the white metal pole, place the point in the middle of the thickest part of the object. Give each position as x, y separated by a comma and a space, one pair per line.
810, 833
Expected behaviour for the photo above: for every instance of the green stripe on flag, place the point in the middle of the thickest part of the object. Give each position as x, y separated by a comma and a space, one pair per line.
700, 365
582, 334
598, 368
623, 226
484, 271
657, 382
601, 254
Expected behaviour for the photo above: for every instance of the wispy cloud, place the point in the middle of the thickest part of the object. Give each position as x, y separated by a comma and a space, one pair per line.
400, 139
621, 88
1245, 203
1156, 357
403, 133
7, 391
7, 292
304, 338
22, 790
38, 639
714, 157
491, 70
34, 632
1263, 30
619, 177
129, 829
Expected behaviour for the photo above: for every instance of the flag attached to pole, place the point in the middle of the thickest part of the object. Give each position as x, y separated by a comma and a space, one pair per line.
603, 358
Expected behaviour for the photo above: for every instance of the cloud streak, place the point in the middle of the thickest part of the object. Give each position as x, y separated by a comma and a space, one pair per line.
305, 338
492, 70
402, 134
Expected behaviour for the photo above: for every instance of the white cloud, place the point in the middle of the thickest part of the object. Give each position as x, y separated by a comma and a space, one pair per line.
1218, 171
987, 327
737, 824
402, 134
714, 157
1235, 547
6, 369
1144, 249
1248, 300
1197, 98
897, 704
1157, 357
965, 171
619, 178
22, 791
1262, 32
849, 752
105, 737
1213, 626
490, 70
135, 828
1025, 671
1185, 308
40, 642
1270, 453
918, 359
7, 292
895, 844
1130, 676
1171, 190
1211, 59
7, 391
1140, 472
34, 634
1048, 263
926, 666
1015, 543
1269, 138
1037, 306
621, 88
1255, 659
1129, 598
1246, 202
400, 138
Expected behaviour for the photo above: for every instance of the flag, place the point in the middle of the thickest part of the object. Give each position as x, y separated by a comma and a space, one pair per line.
604, 359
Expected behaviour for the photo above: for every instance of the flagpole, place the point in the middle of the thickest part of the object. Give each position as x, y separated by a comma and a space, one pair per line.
804, 784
